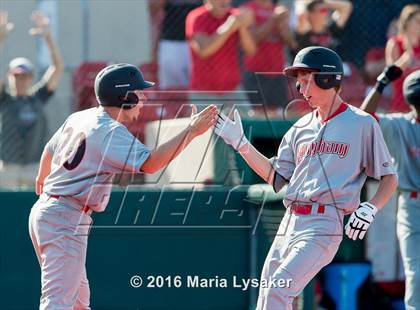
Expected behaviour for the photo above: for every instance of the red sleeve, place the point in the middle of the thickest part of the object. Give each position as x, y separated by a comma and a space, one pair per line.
194, 23
374, 115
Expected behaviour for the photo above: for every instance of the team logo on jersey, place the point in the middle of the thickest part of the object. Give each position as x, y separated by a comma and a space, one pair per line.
322, 147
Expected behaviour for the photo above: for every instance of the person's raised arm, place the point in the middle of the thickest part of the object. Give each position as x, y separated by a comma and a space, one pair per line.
165, 153
5, 28
247, 41
55, 70
393, 55
371, 101
341, 11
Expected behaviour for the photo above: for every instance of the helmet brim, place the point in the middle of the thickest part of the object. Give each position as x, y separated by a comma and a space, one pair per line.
147, 84
292, 71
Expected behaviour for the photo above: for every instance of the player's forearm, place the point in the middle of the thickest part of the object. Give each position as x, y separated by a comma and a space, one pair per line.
258, 162
370, 104
387, 186
247, 41
44, 165
168, 151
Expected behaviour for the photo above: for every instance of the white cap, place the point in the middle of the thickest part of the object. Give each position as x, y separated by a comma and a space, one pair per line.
20, 65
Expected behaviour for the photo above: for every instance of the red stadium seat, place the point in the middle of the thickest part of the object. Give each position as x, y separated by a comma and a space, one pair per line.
83, 83
354, 86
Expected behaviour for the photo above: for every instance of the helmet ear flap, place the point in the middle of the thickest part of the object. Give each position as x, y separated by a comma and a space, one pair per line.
129, 100
327, 81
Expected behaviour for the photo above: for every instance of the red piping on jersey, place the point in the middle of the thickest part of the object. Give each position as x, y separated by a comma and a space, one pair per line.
341, 109
85, 208
374, 115
306, 209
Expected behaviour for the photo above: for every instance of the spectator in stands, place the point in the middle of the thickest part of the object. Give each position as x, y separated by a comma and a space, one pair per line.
172, 49
321, 22
403, 50
23, 122
215, 30
262, 71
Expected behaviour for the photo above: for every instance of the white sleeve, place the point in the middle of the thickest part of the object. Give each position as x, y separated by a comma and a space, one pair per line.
52, 143
376, 158
122, 152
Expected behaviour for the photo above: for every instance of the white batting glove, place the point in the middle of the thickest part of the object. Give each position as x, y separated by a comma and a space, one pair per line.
231, 131
360, 220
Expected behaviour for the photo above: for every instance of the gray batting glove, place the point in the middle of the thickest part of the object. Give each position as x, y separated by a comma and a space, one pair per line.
231, 132
360, 220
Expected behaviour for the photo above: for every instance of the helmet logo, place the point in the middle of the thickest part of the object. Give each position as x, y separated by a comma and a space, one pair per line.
121, 85
329, 66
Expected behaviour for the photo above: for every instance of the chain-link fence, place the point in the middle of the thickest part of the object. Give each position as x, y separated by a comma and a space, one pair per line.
231, 53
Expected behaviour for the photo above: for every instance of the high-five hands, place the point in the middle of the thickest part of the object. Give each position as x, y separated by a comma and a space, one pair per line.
201, 122
231, 131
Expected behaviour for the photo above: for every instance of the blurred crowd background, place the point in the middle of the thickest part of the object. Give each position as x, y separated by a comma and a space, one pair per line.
227, 52
223, 51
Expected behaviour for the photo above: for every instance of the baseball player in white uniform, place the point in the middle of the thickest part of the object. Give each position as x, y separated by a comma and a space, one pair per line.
75, 178
325, 159
402, 134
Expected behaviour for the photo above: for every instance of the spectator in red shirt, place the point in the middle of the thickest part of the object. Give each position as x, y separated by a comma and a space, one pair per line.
214, 31
262, 71
403, 50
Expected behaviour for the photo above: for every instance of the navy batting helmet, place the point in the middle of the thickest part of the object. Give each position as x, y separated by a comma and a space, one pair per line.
114, 85
323, 61
411, 88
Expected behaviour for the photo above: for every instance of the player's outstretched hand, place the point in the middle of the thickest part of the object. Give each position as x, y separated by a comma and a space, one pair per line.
360, 220
231, 132
201, 122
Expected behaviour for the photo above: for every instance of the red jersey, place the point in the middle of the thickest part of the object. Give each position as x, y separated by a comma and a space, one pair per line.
221, 70
270, 52
398, 103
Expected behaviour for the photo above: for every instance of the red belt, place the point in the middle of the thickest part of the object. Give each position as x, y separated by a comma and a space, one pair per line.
85, 209
306, 209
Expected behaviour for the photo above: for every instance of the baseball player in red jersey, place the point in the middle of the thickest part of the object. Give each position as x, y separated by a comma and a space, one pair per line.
75, 178
402, 133
324, 159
